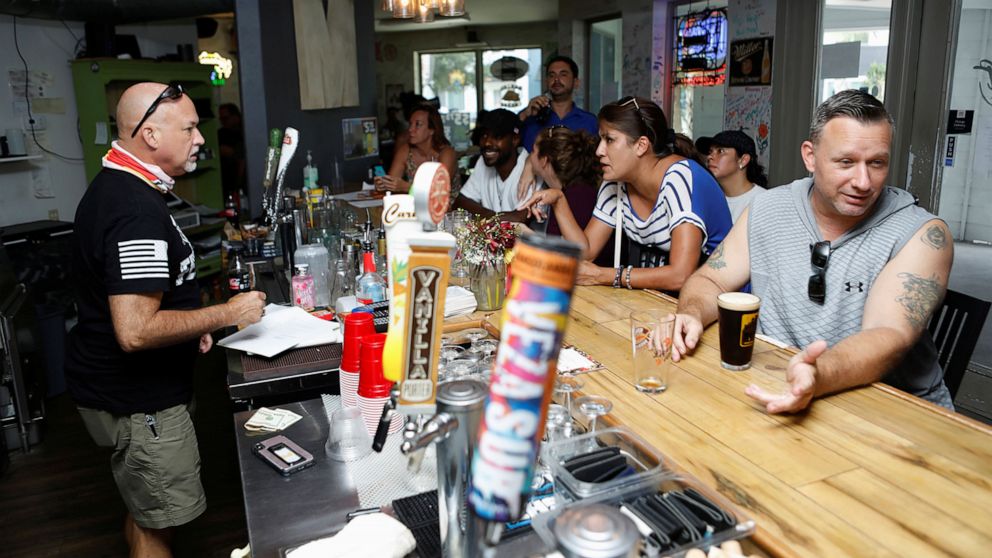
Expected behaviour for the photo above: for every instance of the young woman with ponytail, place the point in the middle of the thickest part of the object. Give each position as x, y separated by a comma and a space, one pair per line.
672, 212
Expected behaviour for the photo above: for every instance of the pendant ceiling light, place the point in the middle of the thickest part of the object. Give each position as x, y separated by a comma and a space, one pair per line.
451, 8
425, 12
404, 9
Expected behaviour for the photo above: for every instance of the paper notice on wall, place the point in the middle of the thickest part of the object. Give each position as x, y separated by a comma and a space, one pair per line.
50, 105
102, 134
41, 182
38, 83
982, 164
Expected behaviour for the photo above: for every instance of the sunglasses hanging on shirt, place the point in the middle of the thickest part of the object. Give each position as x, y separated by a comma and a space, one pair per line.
818, 259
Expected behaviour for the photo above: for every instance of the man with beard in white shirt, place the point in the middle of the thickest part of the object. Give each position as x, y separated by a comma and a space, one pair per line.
492, 187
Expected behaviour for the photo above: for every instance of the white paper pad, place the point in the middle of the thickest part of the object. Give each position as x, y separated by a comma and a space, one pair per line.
282, 328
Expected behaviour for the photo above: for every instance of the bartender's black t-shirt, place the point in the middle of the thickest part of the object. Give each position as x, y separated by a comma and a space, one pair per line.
128, 243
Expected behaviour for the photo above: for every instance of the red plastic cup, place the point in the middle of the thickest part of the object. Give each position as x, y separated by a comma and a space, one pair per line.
356, 326
371, 383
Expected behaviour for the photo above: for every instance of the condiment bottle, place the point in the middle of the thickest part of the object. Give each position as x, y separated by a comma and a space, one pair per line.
303, 287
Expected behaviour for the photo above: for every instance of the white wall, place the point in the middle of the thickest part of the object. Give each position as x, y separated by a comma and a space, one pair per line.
750, 108
966, 186
47, 46
643, 53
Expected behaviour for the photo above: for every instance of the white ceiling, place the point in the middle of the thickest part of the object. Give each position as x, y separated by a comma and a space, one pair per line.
480, 12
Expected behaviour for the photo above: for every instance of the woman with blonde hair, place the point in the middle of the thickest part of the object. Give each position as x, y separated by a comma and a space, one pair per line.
427, 143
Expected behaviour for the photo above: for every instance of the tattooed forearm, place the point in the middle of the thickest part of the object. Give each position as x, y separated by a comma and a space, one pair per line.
716, 260
919, 297
935, 237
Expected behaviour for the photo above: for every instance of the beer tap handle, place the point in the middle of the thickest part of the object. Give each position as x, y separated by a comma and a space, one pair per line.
387, 416
415, 457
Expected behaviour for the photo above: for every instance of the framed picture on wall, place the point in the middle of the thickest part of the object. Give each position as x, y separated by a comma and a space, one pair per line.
751, 62
360, 137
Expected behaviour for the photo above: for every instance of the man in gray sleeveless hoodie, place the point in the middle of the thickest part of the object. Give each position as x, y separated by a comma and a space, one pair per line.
846, 267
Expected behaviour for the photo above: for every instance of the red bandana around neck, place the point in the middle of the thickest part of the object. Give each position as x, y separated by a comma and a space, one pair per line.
119, 159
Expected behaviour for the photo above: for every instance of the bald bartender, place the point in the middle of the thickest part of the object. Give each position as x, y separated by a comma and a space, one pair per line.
130, 358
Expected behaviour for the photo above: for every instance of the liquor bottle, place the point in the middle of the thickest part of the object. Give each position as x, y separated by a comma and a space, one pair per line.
766, 66
371, 286
309, 174
238, 275
231, 209
544, 113
303, 288
381, 257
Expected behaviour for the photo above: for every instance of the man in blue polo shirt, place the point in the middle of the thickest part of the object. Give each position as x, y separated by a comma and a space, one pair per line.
543, 112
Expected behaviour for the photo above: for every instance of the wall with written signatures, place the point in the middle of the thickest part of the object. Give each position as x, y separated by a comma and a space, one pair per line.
750, 108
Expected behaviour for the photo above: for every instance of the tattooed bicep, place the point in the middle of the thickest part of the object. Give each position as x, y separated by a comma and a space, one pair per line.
919, 297
935, 237
716, 260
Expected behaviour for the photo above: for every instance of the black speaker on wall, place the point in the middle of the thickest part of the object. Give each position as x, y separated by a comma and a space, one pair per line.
99, 39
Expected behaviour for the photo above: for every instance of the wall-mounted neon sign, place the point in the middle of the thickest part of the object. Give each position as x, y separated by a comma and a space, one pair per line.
701, 48
222, 66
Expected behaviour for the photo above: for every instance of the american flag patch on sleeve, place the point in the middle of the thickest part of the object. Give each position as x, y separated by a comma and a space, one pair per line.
143, 259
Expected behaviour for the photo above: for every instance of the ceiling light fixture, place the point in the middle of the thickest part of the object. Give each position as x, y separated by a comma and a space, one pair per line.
423, 11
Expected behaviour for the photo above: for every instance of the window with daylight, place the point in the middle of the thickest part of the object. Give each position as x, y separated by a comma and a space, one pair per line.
469, 80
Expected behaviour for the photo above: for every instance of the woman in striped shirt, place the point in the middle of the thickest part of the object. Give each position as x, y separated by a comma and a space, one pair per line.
673, 212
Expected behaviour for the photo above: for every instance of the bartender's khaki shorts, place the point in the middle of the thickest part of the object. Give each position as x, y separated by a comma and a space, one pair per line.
159, 479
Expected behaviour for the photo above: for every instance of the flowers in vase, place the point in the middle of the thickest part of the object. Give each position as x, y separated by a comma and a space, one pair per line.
484, 239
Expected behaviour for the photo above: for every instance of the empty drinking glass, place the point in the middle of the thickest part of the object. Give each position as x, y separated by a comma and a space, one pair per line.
566, 385
593, 407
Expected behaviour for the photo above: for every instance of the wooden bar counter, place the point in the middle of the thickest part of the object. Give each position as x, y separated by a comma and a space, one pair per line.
870, 471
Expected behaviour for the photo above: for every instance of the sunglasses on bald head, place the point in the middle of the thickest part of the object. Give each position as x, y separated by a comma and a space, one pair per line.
171, 92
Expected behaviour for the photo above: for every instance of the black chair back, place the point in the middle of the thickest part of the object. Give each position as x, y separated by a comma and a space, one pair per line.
955, 328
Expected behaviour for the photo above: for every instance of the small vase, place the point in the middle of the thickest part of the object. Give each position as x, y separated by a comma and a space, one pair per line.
488, 284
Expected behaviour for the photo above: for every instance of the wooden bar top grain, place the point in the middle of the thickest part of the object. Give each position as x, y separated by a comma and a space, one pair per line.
870, 471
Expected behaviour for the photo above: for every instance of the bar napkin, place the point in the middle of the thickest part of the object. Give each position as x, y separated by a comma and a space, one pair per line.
375, 534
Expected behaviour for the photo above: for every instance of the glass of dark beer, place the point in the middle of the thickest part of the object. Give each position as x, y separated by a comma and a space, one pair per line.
738, 324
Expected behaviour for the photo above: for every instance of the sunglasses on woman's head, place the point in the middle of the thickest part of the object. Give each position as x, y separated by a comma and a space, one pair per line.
637, 109
171, 92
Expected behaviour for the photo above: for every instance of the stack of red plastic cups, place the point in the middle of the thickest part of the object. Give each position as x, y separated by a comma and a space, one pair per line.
373, 388
356, 326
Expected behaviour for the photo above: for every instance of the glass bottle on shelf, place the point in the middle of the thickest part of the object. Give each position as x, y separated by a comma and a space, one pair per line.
303, 287
371, 286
